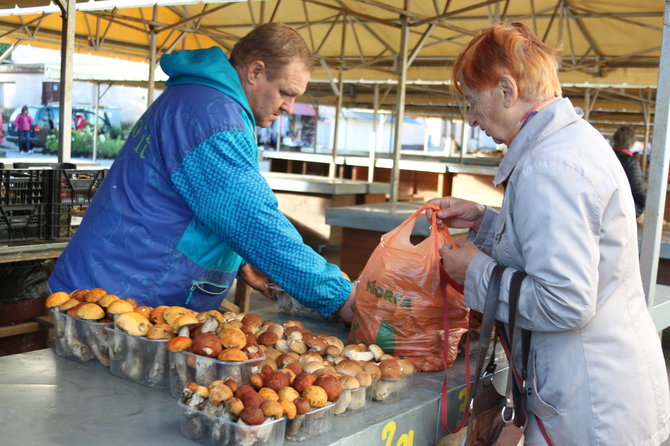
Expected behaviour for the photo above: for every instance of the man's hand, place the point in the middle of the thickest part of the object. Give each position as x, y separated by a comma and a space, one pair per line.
255, 279
346, 311
455, 260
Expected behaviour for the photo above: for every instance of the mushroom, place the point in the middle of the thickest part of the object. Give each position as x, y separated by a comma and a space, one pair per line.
376, 351
233, 338
268, 394
317, 345
348, 367
94, 294
106, 300
78, 294
272, 408
289, 408
131, 357
57, 299
118, 307
206, 344
232, 355
159, 365
183, 324
349, 384
316, 396
95, 334
331, 385
171, 314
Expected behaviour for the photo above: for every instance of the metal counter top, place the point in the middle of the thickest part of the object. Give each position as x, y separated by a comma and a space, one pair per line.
50, 400
380, 217
291, 182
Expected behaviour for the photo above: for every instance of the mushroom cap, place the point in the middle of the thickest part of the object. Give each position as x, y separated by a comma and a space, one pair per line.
289, 408
131, 301
331, 385
316, 396
376, 350
205, 344
214, 314
364, 379
288, 393
311, 366
234, 406
68, 304
220, 393
94, 294
57, 299
90, 311
310, 357
373, 370
171, 314
133, 323
252, 416
107, 299
272, 408
390, 368
179, 344
160, 331
268, 394
78, 294
119, 307
407, 366
349, 382
252, 319
143, 310
233, 338
183, 321
348, 367
232, 355
156, 315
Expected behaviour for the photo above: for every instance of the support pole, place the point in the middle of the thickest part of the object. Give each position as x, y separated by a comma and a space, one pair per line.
95, 121
66, 76
376, 135
658, 171
400, 110
338, 108
152, 67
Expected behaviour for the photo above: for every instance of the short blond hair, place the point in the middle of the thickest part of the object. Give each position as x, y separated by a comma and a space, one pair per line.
510, 49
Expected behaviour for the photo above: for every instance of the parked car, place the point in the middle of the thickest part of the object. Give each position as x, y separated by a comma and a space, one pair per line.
46, 118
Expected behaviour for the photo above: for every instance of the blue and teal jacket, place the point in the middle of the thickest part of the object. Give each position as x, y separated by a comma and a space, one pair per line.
184, 205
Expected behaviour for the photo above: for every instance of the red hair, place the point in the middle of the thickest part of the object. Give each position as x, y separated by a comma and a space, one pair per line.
510, 49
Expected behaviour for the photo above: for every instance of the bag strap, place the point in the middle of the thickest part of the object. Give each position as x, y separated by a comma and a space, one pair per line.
488, 320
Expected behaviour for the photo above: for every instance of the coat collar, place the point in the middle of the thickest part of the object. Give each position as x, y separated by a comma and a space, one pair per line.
548, 120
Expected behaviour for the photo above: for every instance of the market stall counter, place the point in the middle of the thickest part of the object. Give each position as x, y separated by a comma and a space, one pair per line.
51, 400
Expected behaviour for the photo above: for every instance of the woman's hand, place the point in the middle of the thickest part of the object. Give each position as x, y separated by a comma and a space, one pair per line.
457, 213
455, 260
255, 279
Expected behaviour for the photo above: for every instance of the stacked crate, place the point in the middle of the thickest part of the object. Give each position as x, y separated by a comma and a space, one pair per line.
23, 201
70, 193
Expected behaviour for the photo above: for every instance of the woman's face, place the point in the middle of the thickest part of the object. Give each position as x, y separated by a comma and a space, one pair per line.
488, 113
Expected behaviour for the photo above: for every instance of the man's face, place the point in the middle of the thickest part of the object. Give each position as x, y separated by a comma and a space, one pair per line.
270, 98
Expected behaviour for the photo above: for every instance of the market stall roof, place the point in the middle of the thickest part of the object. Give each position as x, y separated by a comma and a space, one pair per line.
611, 48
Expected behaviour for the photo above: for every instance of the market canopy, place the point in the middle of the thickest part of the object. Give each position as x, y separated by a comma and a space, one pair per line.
611, 48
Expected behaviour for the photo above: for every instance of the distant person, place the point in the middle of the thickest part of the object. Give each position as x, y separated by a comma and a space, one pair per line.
622, 143
184, 208
79, 121
22, 123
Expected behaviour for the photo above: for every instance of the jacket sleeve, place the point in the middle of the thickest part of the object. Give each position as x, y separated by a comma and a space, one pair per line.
555, 218
221, 182
636, 180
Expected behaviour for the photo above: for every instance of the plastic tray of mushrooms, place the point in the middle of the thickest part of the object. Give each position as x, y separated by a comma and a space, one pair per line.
80, 325
212, 416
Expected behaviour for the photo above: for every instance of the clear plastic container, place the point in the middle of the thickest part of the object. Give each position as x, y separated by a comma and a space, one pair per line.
352, 401
223, 431
138, 359
81, 340
308, 425
285, 303
392, 390
186, 367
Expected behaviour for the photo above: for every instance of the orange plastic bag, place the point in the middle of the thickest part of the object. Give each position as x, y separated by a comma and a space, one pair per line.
399, 301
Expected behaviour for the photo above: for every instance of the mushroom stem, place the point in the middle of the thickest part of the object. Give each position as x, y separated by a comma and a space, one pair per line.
79, 349
156, 373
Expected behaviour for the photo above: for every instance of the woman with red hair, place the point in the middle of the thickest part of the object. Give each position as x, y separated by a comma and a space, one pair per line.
596, 374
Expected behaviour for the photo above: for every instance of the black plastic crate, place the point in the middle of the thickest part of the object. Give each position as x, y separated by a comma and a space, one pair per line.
22, 222
71, 192
24, 187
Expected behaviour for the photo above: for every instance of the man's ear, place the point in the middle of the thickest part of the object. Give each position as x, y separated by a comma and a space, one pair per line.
254, 70
510, 90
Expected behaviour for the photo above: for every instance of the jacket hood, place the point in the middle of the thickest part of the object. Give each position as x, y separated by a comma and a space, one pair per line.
209, 67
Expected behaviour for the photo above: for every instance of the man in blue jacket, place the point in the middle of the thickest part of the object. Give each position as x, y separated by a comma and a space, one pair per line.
184, 207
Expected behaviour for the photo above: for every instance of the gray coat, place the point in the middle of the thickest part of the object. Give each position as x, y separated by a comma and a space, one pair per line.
596, 369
